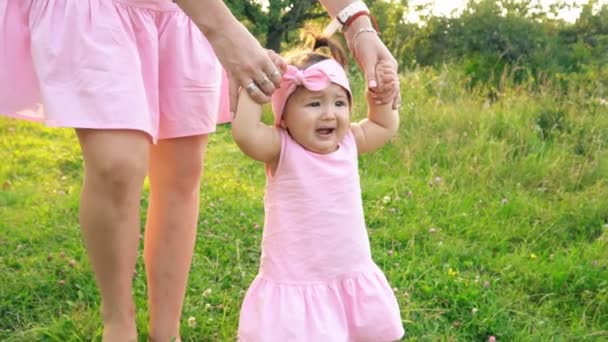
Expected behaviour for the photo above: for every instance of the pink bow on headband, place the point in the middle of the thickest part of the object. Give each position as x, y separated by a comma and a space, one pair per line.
312, 79
315, 78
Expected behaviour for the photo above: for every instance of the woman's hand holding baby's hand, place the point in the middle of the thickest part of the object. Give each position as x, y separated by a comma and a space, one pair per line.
388, 84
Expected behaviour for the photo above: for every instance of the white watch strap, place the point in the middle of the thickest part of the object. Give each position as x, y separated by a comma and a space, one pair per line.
333, 26
351, 9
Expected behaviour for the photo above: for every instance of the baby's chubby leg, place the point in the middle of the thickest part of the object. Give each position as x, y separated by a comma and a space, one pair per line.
115, 164
175, 171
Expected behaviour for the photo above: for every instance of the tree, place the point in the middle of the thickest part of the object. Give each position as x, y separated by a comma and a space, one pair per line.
273, 23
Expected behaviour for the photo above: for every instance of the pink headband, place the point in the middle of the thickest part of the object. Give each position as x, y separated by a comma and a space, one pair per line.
315, 78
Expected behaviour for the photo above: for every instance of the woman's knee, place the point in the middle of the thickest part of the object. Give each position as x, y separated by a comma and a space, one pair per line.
178, 165
115, 162
122, 171
117, 176
183, 178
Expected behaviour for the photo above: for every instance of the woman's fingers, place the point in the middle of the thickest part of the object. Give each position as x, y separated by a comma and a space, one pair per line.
254, 90
264, 83
372, 56
246, 62
276, 71
260, 87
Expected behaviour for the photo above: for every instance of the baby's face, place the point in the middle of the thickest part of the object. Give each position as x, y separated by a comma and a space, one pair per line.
318, 120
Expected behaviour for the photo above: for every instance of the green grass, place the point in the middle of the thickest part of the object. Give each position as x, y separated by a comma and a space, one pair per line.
489, 219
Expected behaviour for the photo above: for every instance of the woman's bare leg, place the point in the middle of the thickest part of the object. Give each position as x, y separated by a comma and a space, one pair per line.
175, 170
115, 165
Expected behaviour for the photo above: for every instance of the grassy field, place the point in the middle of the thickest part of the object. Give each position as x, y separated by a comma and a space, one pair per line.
489, 219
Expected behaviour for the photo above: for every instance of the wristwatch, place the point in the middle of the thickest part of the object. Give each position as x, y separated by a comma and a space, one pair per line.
345, 17
350, 10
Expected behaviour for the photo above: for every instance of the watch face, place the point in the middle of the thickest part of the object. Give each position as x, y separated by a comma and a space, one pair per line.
350, 10
343, 16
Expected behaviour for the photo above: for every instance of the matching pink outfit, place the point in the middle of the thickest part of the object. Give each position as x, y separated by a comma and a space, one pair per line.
143, 65
109, 64
317, 280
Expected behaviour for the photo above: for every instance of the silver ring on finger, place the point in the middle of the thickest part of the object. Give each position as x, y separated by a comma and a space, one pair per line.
275, 73
251, 87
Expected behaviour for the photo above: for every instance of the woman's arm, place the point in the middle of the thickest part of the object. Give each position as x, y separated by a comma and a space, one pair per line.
367, 49
247, 63
244, 59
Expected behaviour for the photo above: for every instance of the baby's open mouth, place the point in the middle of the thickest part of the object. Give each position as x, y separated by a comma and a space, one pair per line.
325, 131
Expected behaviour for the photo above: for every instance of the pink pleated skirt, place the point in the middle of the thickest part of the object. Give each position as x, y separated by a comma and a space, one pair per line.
353, 308
109, 64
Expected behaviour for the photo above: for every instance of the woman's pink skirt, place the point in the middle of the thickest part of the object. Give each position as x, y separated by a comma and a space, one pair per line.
109, 64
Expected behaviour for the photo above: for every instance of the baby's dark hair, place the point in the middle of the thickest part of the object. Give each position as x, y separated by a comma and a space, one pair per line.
316, 49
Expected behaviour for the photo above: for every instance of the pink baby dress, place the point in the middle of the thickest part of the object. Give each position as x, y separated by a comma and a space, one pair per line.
317, 281
109, 64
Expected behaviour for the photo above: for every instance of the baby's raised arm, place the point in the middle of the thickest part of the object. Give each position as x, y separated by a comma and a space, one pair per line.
382, 121
256, 139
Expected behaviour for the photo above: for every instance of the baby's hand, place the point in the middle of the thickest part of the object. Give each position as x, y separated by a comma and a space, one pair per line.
387, 76
388, 83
